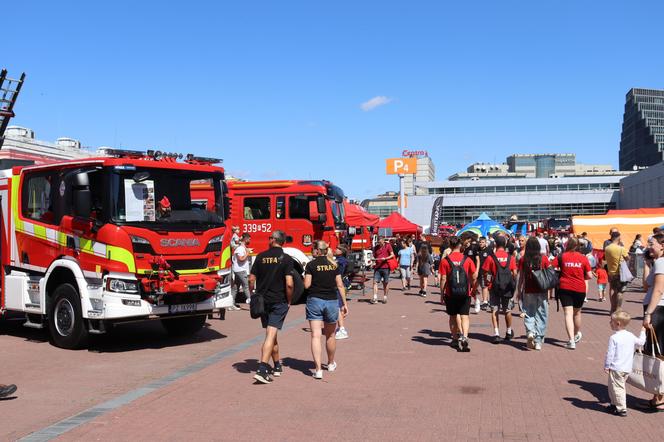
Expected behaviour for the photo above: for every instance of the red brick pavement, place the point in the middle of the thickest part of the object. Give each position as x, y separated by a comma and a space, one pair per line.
397, 379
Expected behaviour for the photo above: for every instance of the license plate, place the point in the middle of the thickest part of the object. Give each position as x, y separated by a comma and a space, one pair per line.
182, 308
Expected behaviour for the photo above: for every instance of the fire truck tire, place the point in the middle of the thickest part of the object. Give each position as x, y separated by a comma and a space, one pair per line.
183, 326
65, 321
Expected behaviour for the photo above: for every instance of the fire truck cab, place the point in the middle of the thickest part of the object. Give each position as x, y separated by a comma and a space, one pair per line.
306, 211
88, 244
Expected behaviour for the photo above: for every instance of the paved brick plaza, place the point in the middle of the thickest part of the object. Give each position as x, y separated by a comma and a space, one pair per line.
397, 380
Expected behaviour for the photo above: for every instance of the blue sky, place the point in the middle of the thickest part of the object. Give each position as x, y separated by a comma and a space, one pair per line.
276, 88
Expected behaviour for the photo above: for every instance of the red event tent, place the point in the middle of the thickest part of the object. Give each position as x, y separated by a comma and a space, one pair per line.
356, 216
400, 225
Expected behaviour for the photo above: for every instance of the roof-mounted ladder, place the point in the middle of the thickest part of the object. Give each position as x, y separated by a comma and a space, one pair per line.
9, 89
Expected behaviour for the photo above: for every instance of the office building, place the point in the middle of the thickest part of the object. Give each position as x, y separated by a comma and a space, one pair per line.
535, 166
426, 171
383, 205
642, 138
644, 189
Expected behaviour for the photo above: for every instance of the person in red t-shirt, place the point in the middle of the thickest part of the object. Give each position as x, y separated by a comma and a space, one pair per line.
382, 254
457, 305
602, 280
534, 300
500, 302
575, 271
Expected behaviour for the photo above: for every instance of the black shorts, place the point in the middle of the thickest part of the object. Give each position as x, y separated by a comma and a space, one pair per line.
657, 321
569, 298
275, 315
457, 305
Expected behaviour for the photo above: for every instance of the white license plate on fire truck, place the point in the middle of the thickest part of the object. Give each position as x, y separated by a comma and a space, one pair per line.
182, 308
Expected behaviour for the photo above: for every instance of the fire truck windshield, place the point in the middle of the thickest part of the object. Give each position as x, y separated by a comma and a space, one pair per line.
338, 212
155, 197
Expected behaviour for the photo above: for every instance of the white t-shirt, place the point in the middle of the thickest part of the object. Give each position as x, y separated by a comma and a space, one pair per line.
657, 269
544, 245
238, 266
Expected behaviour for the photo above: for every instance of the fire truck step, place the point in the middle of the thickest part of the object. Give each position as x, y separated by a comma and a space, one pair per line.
36, 324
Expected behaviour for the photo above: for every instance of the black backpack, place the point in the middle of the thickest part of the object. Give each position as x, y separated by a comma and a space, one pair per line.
503, 284
457, 279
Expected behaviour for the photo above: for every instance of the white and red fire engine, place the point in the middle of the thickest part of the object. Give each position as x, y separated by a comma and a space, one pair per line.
88, 244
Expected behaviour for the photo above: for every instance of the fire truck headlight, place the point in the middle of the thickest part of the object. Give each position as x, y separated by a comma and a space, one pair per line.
225, 276
122, 286
214, 245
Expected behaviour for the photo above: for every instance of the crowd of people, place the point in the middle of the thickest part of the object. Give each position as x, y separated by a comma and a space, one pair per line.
496, 274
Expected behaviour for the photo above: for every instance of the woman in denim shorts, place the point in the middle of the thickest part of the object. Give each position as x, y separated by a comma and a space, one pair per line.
322, 278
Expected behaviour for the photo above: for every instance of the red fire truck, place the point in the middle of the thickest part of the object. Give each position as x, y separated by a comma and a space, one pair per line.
306, 211
88, 244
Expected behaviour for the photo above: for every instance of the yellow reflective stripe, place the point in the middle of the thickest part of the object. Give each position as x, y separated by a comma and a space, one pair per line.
225, 256
121, 255
62, 238
40, 231
18, 224
86, 245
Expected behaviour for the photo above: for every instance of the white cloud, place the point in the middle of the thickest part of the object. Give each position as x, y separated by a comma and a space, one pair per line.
380, 100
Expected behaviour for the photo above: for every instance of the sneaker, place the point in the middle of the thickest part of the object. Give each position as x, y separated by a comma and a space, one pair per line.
496, 339
233, 308
423, 294
318, 374
530, 340
278, 369
538, 346
610, 408
248, 300
485, 306
509, 335
621, 413
455, 343
384, 299
478, 306
342, 333
464, 344
374, 300
263, 375
571, 345
578, 336
332, 366
7, 390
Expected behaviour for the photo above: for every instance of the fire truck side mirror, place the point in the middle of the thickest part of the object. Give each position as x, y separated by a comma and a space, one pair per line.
82, 203
82, 197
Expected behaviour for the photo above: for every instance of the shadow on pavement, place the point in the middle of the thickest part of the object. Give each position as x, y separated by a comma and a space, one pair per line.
247, 366
147, 335
435, 337
600, 392
304, 367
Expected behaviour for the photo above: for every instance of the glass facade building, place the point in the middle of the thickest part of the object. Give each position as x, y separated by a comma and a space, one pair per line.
531, 199
642, 138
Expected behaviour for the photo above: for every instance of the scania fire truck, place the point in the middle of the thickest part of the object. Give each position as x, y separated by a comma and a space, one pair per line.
306, 211
89, 244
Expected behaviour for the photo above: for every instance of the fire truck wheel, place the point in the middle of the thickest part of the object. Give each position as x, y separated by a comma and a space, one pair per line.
183, 326
65, 321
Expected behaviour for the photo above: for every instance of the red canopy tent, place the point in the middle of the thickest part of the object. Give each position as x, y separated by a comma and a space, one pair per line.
356, 216
400, 225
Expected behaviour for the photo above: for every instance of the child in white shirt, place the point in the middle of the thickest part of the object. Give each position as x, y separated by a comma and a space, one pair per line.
619, 360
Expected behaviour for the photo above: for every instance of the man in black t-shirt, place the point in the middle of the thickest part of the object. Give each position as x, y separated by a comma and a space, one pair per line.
271, 277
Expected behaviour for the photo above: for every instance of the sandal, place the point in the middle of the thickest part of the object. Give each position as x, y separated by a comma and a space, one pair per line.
651, 405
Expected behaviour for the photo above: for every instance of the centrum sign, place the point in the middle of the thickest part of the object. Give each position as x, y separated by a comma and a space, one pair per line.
414, 153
